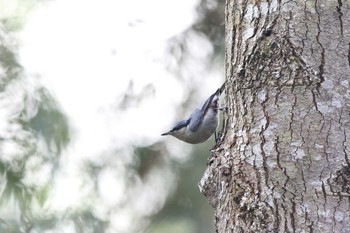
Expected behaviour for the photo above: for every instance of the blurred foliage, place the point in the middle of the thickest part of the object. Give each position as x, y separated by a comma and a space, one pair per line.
211, 25
14, 13
188, 206
29, 114
50, 123
36, 133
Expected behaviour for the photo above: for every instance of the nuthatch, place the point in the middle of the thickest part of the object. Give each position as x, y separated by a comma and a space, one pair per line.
201, 124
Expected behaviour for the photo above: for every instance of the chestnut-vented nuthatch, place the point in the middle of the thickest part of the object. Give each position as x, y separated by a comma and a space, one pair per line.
201, 124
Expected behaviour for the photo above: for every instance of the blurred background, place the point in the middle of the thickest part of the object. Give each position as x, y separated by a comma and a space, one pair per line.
86, 89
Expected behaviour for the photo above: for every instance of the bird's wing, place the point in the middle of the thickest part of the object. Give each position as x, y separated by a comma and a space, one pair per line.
197, 116
181, 124
196, 119
178, 125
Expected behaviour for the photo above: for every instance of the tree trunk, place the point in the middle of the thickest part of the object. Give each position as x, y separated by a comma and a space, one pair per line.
282, 164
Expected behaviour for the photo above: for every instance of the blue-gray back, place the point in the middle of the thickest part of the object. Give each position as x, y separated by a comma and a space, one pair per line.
198, 115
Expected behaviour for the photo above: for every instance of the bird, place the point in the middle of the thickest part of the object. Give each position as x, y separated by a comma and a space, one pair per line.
201, 124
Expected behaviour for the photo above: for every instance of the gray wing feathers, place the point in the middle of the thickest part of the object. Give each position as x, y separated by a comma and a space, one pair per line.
196, 119
197, 116
181, 124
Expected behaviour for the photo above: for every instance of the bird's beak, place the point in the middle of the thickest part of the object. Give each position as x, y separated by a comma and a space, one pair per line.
164, 134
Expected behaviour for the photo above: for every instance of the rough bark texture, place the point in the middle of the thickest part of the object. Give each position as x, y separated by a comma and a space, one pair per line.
283, 161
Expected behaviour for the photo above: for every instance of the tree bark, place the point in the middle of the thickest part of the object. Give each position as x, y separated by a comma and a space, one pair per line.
282, 164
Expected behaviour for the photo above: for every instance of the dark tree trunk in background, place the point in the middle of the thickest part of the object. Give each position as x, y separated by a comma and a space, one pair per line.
283, 162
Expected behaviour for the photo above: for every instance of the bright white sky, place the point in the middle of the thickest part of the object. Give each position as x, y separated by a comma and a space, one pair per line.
86, 52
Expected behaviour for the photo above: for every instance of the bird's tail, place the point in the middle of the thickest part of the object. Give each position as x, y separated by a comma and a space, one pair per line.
221, 89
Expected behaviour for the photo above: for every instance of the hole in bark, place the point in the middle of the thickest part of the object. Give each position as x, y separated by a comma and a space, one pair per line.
342, 179
274, 45
211, 161
226, 171
267, 33
237, 198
